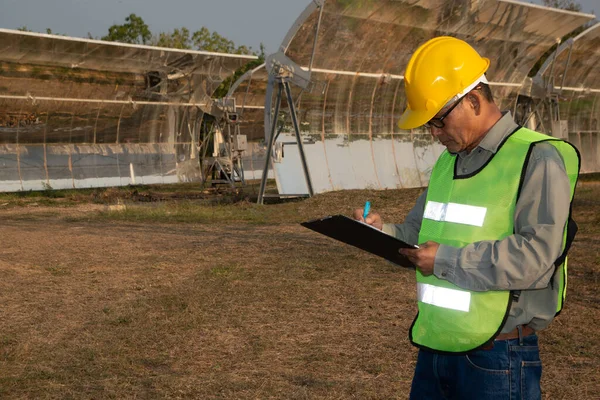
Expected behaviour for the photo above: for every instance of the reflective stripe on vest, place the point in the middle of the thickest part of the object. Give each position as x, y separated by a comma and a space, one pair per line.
453, 212
444, 297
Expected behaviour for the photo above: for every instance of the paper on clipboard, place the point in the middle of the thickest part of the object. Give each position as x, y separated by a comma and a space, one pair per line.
363, 236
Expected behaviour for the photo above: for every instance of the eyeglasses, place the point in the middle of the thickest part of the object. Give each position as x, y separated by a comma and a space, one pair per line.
438, 122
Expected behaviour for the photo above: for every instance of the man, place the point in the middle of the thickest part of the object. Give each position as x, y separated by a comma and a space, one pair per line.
492, 233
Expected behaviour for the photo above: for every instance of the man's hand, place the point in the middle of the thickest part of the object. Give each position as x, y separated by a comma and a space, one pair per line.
373, 219
423, 257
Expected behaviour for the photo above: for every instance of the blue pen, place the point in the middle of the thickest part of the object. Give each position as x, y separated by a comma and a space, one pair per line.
366, 210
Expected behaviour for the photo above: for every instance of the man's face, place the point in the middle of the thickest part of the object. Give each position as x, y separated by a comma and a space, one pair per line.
453, 131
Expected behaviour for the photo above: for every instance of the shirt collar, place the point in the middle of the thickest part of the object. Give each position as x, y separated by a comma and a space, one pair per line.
496, 135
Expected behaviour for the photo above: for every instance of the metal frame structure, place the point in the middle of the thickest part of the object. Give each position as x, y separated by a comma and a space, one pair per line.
358, 50
74, 110
225, 163
78, 113
569, 100
283, 84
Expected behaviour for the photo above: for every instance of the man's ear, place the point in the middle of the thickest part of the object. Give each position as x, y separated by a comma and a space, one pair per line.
474, 102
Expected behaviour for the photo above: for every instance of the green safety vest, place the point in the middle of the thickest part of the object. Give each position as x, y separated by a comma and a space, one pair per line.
466, 209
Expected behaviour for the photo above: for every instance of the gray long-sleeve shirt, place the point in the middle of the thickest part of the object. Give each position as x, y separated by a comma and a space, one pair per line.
523, 261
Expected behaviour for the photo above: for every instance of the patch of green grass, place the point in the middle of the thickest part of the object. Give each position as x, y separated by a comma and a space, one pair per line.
122, 320
225, 272
58, 270
46, 198
38, 216
88, 354
41, 373
171, 303
188, 211
8, 343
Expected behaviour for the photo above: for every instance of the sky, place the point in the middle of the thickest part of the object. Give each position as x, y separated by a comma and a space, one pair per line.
246, 22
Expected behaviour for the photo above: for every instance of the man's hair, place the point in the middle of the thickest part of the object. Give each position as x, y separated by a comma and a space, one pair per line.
486, 92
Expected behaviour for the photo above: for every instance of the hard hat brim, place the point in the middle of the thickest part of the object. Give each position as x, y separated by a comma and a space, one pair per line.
412, 119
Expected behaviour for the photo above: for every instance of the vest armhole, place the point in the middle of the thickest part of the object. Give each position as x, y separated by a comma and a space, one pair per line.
524, 170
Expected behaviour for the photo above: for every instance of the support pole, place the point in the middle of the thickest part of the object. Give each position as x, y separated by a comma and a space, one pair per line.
265, 174
290, 101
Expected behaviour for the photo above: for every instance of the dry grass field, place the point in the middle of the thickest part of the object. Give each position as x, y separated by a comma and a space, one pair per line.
194, 295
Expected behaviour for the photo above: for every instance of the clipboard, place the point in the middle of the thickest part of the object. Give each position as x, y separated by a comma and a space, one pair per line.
363, 236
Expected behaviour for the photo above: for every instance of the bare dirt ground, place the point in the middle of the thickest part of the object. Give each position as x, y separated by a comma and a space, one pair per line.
176, 299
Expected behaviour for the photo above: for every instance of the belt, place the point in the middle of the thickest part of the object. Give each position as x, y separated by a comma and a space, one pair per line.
514, 334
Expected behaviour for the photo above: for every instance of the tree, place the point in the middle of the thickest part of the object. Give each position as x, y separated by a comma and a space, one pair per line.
226, 84
179, 39
202, 39
207, 41
134, 31
25, 29
211, 41
569, 5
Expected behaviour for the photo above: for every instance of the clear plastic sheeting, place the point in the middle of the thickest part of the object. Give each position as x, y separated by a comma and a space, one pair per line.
80, 113
571, 77
349, 115
253, 161
249, 94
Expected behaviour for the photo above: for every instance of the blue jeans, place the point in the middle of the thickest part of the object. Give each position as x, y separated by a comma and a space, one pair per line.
510, 371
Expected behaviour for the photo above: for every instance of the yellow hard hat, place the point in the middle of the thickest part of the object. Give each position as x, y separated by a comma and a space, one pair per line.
437, 71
